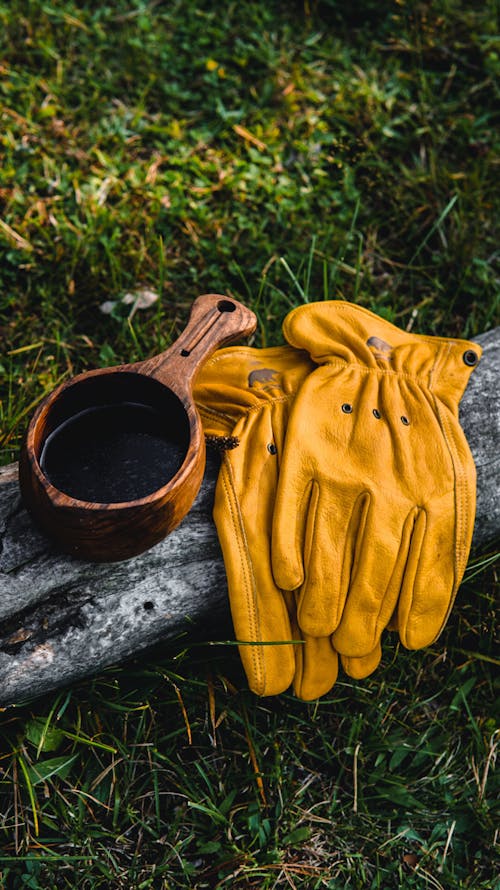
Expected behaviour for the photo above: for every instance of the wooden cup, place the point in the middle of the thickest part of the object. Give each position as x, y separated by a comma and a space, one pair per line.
97, 405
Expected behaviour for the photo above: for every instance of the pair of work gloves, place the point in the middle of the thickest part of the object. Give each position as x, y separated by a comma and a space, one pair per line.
345, 500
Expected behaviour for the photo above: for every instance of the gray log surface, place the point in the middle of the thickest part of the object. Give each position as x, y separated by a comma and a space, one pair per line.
63, 619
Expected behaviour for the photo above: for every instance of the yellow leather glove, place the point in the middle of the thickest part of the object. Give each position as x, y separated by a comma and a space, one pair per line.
376, 496
247, 393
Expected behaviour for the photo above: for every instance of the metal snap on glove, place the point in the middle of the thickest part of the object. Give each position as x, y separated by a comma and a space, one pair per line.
245, 394
376, 495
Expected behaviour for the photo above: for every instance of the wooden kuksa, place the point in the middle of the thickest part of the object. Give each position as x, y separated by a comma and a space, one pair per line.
109, 531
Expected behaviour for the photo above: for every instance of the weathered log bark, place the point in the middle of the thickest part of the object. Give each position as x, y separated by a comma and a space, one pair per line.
63, 619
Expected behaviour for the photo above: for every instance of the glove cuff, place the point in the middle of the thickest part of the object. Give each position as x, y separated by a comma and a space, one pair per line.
237, 380
338, 331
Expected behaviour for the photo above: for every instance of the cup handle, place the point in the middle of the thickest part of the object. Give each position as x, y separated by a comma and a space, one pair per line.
215, 320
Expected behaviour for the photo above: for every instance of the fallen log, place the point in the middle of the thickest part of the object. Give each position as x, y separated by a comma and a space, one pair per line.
63, 619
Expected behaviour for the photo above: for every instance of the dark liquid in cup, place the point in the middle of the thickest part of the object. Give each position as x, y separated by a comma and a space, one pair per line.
113, 453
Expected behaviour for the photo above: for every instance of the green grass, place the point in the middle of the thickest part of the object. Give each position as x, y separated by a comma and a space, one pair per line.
276, 152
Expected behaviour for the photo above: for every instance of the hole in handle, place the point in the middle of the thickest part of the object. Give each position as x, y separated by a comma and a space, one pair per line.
226, 306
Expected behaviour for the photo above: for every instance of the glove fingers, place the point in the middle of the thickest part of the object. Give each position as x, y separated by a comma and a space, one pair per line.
258, 608
328, 555
359, 668
430, 581
295, 500
316, 668
378, 570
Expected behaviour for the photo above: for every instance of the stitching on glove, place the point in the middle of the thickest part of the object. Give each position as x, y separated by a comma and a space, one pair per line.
269, 401
463, 504
298, 559
311, 494
359, 515
246, 563
409, 571
424, 380
209, 414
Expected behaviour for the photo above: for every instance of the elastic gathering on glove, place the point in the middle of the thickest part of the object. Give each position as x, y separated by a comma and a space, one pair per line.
374, 512
345, 501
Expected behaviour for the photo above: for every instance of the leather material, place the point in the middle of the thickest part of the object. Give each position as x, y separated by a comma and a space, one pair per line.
376, 496
246, 394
